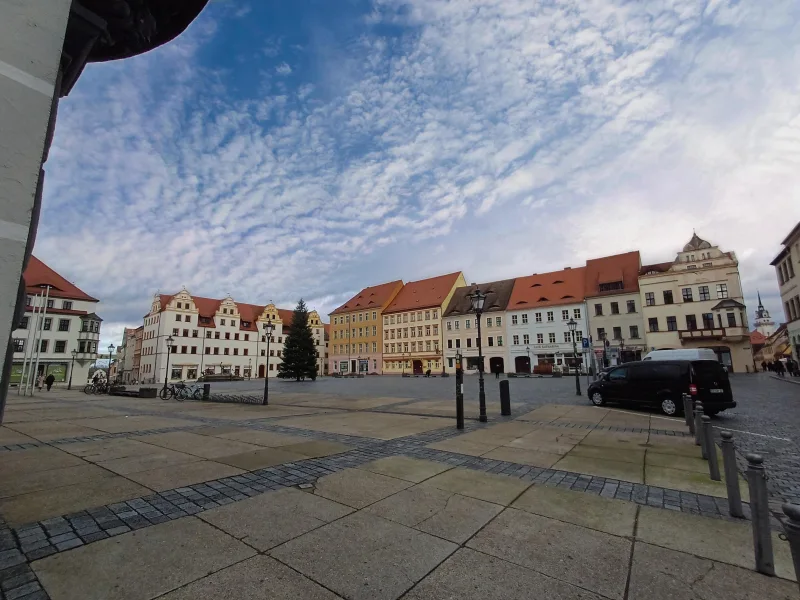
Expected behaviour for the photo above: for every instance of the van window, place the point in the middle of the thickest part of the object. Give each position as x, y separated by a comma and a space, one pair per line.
618, 374
708, 372
655, 370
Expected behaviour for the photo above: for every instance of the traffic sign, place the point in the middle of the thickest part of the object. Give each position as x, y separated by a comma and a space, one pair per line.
586, 343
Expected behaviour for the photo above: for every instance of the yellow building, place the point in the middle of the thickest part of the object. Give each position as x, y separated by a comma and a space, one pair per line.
696, 301
356, 331
412, 325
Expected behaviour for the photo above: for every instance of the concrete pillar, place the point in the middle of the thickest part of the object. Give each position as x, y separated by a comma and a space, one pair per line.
31, 39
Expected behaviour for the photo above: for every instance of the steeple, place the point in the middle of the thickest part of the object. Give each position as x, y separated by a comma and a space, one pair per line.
763, 323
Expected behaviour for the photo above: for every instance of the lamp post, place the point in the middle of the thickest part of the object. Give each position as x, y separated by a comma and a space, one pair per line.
528, 352
403, 356
478, 298
166, 373
621, 349
250, 368
71, 369
108, 376
572, 324
269, 327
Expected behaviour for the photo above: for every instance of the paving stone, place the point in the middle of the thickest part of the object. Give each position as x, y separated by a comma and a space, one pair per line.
10, 558
24, 591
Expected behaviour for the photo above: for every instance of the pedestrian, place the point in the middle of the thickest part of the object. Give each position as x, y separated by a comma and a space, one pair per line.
40, 382
497, 373
764, 366
96, 378
49, 381
779, 368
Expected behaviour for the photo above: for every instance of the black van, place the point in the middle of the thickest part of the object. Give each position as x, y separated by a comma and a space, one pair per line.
662, 382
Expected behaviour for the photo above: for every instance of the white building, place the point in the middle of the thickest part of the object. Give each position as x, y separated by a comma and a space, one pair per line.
70, 324
787, 265
216, 337
538, 314
763, 322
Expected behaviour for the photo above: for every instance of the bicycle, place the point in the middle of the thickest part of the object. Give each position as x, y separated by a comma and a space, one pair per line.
180, 391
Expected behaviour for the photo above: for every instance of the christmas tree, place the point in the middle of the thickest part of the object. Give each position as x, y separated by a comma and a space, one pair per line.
299, 353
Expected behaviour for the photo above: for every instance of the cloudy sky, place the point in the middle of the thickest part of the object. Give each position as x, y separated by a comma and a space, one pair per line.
310, 148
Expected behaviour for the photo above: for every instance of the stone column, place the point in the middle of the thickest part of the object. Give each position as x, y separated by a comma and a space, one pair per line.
31, 39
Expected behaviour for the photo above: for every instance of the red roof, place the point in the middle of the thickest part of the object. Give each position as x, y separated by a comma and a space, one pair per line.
208, 307
376, 296
37, 274
567, 286
426, 293
612, 269
757, 338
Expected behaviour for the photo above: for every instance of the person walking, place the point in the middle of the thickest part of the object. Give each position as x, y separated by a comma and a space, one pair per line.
49, 381
779, 368
764, 366
40, 382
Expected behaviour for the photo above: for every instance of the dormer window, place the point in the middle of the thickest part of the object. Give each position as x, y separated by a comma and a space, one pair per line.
557, 281
542, 299
609, 287
536, 285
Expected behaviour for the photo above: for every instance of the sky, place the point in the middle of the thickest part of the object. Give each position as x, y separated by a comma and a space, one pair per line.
279, 150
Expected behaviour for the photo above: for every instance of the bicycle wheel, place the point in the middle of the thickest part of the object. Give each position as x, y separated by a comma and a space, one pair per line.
198, 394
180, 395
87, 389
165, 393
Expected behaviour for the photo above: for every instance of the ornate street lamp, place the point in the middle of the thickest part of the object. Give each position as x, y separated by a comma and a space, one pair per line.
572, 324
269, 327
108, 377
528, 352
477, 298
169, 341
621, 349
71, 369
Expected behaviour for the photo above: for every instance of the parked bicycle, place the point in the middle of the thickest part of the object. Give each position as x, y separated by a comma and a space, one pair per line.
181, 391
96, 388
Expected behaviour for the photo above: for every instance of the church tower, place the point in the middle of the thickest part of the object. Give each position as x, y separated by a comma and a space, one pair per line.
764, 324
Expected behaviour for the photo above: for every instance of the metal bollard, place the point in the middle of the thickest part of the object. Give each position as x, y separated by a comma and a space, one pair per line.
698, 423
759, 507
711, 449
505, 399
206, 391
731, 475
792, 527
687, 410
459, 394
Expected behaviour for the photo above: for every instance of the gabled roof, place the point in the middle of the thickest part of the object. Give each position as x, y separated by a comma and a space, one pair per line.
567, 286
373, 297
497, 296
426, 293
794, 232
611, 269
208, 307
728, 303
37, 275
657, 267
757, 338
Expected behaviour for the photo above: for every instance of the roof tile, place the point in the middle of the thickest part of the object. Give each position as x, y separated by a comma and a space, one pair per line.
376, 296
37, 274
426, 293
548, 289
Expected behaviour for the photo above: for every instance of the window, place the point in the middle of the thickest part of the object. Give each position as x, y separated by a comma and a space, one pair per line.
691, 322
185, 333
208, 351
552, 338
708, 264
499, 340
617, 333
615, 308
187, 318
722, 290
631, 306
19, 345
216, 350
194, 349
609, 287
708, 320
488, 321
650, 299
491, 341
731, 319
227, 335
374, 316
194, 332
216, 335
427, 329
498, 322
526, 338
703, 293
449, 343
66, 305
634, 332
672, 324
183, 349
515, 340
374, 346
43, 347
550, 316
668, 297
63, 324
60, 347
449, 326
576, 312
565, 315
601, 333
686, 293
24, 323
567, 337
226, 351
467, 324
427, 315
385, 320
513, 319
539, 338
435, 330
456, 324
434, 316
525, 318
51, 303
176, 331
618, 374
48, 324
222, 321
469, 342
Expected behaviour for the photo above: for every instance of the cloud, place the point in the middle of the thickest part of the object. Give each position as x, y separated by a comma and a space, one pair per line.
501, 137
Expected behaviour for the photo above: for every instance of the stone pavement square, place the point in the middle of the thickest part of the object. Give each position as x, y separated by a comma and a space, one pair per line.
364, 557
583, 557
140, 564
107, 450
462, 446
614, 469
690, 481
131, 423
256, 578
260, 459
534, 458
268, 520
183, 474
316, 448
46, 431
471, 575
358, 488
380, 426
404, 467
10, 436
154, 457
661, 574
24, 483
35, 459
198, 445
498, 489
269, 439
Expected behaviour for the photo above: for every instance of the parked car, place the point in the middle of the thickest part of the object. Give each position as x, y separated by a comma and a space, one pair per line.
662, 383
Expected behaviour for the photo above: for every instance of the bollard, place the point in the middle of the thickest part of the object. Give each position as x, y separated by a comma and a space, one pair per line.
687, 410
505, 399
711, 449
206, 391
759, 508
698, 423
731, 475
459, 395
792, 527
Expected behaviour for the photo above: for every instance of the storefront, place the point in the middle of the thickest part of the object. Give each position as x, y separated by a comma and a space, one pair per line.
57, 369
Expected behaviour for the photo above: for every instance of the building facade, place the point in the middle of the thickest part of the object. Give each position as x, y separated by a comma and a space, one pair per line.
787, 265
412, 325
356, 330
460, 328
125, 356
69, 324
696, 301
137, 354
614, 307
213, 337
538, 314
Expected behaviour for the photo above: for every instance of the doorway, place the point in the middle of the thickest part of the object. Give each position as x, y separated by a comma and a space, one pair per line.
417, 364
522, 364
496, 364
261, 370
353, 366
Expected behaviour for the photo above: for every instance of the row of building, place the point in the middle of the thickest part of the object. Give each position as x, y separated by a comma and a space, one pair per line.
787, 266
622, 309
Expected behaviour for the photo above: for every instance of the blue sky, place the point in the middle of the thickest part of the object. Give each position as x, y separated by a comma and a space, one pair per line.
310, 148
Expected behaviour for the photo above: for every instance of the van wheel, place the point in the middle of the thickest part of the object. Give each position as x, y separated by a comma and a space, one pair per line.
597, 399
668, 406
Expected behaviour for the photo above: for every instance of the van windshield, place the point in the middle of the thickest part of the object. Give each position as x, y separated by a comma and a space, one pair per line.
708, 372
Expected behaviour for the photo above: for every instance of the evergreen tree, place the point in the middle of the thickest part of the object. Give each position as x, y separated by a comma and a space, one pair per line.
299, 352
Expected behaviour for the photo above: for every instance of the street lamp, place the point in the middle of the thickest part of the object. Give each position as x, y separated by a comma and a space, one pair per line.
166, 373
108, 377
477, 298
572, 324
269, 327
250, 368
621, 348
71, 369
528, 352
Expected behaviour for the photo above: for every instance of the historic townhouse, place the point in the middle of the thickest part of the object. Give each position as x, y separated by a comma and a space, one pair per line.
461, 330
787, 265
356, 330
412, 336
696, 301
69, 324
614, 306
216, 337
538, 314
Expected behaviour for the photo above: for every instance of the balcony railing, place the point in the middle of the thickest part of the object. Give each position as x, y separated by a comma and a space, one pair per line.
731, 334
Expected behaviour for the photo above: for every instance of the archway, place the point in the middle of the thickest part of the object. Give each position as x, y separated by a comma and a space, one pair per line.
522, 364
417, 364
261, 370
496, 364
